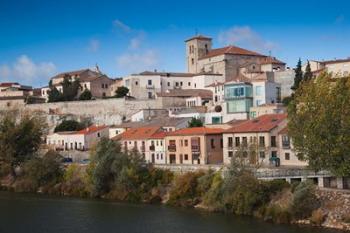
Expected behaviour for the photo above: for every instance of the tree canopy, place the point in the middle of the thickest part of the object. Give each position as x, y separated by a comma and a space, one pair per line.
85, 95
319, 123
308, 73
20, 137
69, 90
121, 92
298, 76
195, 123
69, 125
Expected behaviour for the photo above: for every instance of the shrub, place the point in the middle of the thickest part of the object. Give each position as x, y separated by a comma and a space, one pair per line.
304, 200
317, 217
184, 190
75, 182
277, 214
69, 125
212, 199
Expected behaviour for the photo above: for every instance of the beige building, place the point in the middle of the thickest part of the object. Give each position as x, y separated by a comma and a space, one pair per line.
77, 140
227, 61
264, 109
97, 83
199, 145
338, 67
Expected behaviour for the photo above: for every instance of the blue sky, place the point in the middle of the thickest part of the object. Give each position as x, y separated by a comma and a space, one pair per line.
41, 38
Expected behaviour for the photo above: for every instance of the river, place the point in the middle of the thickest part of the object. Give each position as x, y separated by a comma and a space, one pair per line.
24, 213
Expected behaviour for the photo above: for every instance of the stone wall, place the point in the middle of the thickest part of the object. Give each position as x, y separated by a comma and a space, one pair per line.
106, 111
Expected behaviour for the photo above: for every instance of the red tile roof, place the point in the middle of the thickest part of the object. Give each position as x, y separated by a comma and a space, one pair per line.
196, 131
158, 135
272, 60
199, 37
231, 50
8, 84
264, 123
91, 129
139, 133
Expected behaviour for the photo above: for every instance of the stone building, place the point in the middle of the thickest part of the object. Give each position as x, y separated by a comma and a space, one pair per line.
337, 67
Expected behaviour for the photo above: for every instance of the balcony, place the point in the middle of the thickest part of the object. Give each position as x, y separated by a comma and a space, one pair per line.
152, 148
195, 148
285, 145
149, 86
172, 148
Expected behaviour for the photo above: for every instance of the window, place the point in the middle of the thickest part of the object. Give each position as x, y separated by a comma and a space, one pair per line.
186, 142
157, 142
230, 142
258, 102
161, 143
245, 154
177, 84
230, 154
189, 83
262, 154
168, 84
192, 61
180, 83
157, 156
221, 143
237, 141
258, 90
212, 143
149, 82
287, 156
285, 141
102, 85
150, 95
136, 83
104, 94
181, 143
186, 156
98, 135
244, 141
262, 141
273, 141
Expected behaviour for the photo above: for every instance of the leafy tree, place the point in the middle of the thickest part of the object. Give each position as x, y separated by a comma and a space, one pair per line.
308, 73
121, 92
44, 170
298, 76
195, 123
287, 100
319, 124
20, 137
86, 95
70, 89
69, 125
54, 95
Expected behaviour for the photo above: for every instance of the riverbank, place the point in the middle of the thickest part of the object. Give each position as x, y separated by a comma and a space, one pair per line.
241, 194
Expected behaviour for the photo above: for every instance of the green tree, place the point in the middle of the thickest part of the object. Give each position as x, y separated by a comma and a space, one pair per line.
195, 123
44, 170
298, 76
20, 137
70, 88
308, 73
121, 92
319, 124
54, 94
85, 95
69, 125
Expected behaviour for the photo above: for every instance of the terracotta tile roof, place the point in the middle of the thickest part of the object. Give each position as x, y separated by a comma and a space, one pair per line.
196, 131
139, 133
158, 135
231, 50
199, 37
335, 61
216, 84
283, 131
91, 129
8, 84
264, 123
272, 60
185, 93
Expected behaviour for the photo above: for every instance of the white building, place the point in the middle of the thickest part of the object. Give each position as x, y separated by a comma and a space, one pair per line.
77, 140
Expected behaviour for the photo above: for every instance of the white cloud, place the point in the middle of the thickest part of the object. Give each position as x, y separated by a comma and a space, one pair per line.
136, 42
119, 24
94, 45
245, 36
137, 62
25, 71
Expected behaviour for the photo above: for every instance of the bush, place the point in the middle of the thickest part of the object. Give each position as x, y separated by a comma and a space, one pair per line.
212, 199
304, 200
184, 190
75, 182
317, 217
277, 214
44, 171
69, 125
85, 95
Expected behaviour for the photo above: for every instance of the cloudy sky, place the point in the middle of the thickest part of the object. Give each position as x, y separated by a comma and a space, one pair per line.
40, 38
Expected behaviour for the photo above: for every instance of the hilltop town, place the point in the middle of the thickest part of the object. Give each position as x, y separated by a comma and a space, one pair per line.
229, 97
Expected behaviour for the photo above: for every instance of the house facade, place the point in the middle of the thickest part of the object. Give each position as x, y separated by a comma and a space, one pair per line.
198, 145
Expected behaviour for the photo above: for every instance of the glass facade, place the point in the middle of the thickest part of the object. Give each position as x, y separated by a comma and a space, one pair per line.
238, 91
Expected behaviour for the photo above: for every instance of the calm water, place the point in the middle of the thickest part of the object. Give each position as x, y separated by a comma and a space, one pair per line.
36, 214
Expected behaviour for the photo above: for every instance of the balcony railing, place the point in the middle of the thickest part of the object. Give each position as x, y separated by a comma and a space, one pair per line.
172, 148
195, 148
152, 148
150, 86
285, 145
